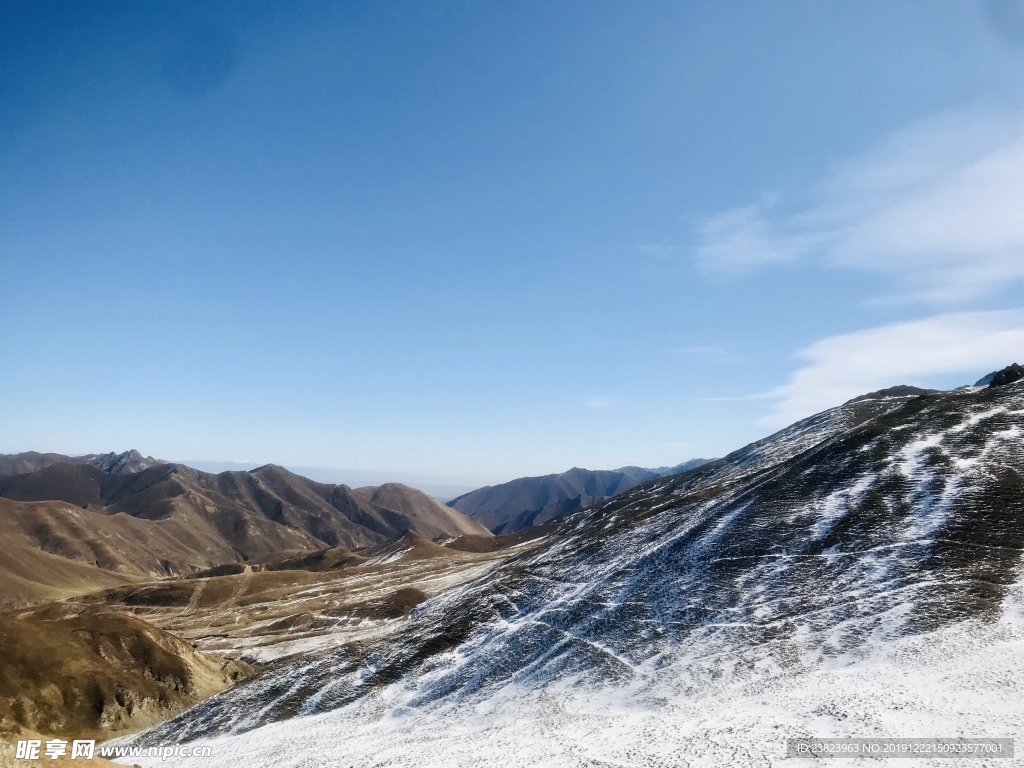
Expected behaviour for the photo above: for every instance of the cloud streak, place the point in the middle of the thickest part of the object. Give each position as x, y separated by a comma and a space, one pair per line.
705, 353
841, 367
936, 207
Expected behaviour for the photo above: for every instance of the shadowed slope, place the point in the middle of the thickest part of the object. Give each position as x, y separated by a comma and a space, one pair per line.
528, 501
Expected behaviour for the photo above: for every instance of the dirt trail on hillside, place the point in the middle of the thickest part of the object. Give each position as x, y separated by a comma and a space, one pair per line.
197, 595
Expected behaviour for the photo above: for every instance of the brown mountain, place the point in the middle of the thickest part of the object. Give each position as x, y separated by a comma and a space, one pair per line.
169, 519
432, 518
111, 524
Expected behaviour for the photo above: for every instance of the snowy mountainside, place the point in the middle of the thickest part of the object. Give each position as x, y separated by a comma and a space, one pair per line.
854, 574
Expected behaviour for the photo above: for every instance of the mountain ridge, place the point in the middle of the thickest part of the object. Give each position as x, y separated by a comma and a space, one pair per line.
170, 520
32, 461
527, 501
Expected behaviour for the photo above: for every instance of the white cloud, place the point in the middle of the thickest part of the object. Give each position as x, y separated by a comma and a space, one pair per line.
598, 402
842, 367
938, 207
744, 238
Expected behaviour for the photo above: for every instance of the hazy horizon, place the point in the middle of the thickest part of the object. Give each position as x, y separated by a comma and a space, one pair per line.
442, 487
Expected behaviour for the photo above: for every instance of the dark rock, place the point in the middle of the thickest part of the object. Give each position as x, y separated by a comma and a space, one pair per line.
1008, 375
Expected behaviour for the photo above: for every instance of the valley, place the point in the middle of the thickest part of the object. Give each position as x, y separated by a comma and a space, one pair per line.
266, 613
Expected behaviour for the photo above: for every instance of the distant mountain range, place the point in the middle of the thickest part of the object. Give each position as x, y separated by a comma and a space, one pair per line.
527, 501
114, 463
132, 461
439, 487
92, 520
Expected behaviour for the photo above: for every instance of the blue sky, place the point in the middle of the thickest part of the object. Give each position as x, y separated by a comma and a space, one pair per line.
472, 240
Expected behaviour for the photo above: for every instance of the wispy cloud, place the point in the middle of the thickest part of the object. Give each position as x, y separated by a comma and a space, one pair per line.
661, 252
743, 239
734, 398
598, 402
937, 207
838, 368
708, 352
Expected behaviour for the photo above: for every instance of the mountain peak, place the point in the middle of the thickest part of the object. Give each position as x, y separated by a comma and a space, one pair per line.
267, 468
1008, 375
128, 461
900, 390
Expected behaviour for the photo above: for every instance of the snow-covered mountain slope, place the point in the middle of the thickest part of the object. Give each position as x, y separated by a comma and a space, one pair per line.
855, 574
